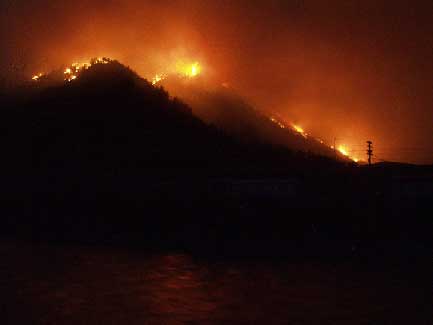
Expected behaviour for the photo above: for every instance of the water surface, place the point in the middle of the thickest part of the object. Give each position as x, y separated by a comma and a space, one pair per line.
49, 284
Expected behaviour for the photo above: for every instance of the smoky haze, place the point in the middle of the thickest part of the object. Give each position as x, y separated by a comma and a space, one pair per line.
350, 70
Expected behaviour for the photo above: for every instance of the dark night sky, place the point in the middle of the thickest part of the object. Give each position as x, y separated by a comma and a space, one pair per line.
354, 70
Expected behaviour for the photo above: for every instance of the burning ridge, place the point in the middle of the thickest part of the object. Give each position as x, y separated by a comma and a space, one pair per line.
223, 109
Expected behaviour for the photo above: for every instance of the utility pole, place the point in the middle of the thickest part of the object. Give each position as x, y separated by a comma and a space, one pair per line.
369, 151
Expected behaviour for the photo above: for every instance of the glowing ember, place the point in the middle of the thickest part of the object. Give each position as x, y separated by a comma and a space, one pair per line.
157, 78
36, 77
281, 125
300, 130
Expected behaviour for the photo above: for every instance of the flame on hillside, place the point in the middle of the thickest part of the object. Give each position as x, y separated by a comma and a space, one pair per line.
342, 149
187, 71
274, 120
181, 69
36, 77
73, 71
345, 152
158, 78
300, 130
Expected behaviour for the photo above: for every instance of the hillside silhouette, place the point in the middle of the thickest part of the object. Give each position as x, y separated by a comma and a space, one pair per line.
109, 157
80, 155
110, 119
226, 110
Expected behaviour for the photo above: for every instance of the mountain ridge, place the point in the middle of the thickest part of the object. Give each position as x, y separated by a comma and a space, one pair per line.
224, 108
110, 118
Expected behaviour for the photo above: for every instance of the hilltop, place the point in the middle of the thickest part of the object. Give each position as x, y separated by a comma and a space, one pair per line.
106, 118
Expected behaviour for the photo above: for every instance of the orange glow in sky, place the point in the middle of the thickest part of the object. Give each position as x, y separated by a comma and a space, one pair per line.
291, 58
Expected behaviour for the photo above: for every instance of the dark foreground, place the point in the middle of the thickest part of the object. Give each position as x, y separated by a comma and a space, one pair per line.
60, 284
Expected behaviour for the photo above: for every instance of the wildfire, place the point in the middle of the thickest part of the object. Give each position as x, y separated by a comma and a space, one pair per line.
189, 70
158, 78
295, 127
345, 152
36, 77
182, 69
78, 66
195, 70
72, 72
341, 148
281, 125
300, 130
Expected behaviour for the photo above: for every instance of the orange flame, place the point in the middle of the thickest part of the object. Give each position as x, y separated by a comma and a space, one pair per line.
274, 120
157, 78
72, 72
345, 152
36, 77
189, 70
300, 130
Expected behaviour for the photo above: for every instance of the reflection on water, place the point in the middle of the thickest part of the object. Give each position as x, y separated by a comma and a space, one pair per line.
71, 285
